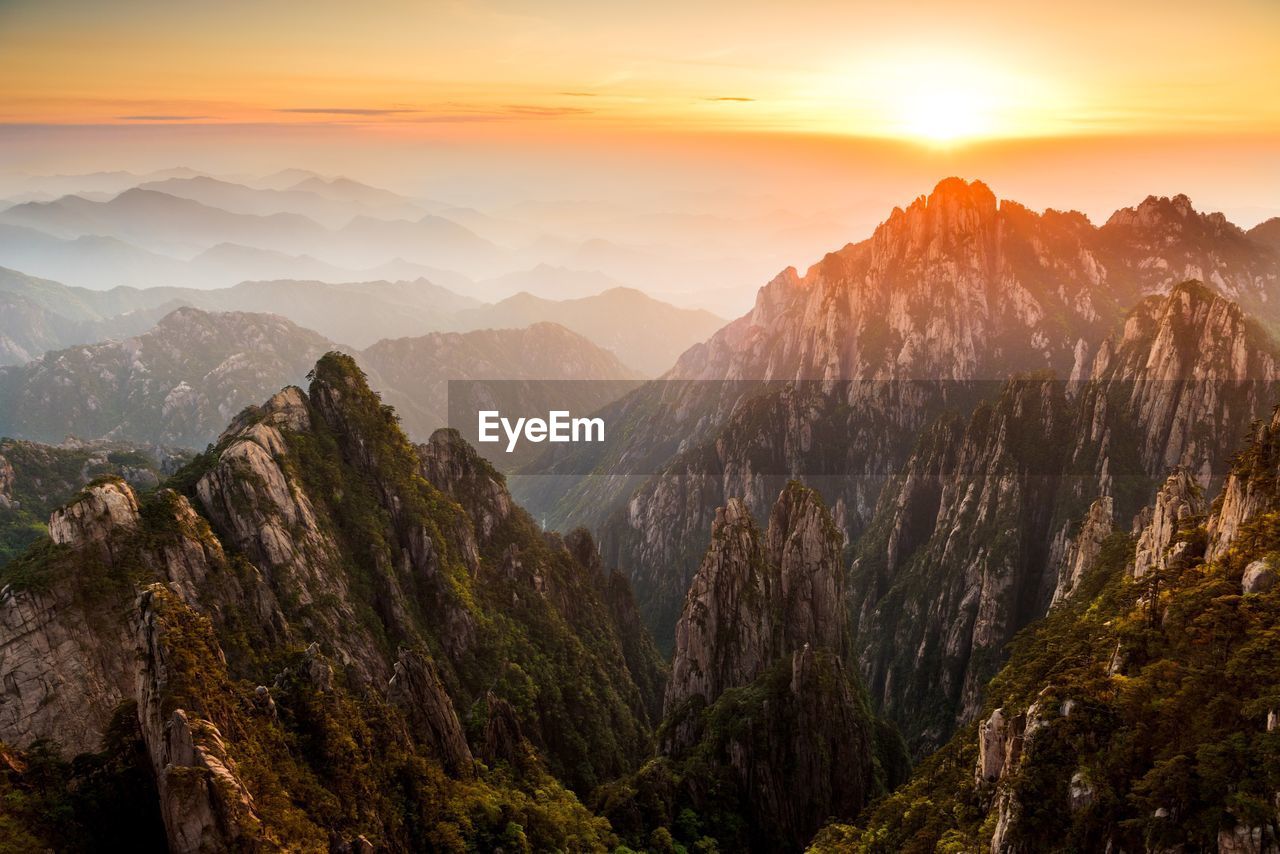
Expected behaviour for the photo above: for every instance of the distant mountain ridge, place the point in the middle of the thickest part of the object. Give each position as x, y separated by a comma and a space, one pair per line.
643, 332
646, 334
177, 383
182, 227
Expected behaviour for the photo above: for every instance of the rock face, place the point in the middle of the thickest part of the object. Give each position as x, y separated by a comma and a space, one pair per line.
1178, 501
63, 676
416, 688
454, 467
93, 518
959, 558
1142, 661
1249, 489
955, 287
755, 600
504, 740
721, 641
1259, 577
764, 615
1083, 553
1190, 371
7, 478
204, 803
974, 540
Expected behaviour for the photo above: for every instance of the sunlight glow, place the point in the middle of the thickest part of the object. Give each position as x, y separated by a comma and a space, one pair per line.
945, 99
944, 115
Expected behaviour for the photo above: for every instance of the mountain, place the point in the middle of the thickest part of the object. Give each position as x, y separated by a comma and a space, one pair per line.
99, 263
40, 316
159, 222
431, 670
89, 260
356, 313
546, 281
534, 370
1267, 233
1141, 713
431, 240
109, 183
311, 198
27, 330
644, 333
351, 192
974, 539
173, 385
182, 227
834, 374
767, 732
35, 479
178, 382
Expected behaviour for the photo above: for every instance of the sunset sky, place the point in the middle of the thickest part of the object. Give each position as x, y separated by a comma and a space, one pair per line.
918, 70
472, 78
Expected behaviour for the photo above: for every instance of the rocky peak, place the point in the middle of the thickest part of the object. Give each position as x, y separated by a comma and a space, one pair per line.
954, 209
806, 547
95, 515
1167, 215
287, 409
452, 465
7, 479
1250, 488
416, 688
1083, 553
1179, 500
757, 598
204, 803
1184, 379
723, 636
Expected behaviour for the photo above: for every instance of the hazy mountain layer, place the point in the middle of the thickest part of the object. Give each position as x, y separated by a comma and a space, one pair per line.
646, 334
179, 382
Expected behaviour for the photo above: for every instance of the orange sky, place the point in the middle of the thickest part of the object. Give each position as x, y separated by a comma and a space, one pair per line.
936, 72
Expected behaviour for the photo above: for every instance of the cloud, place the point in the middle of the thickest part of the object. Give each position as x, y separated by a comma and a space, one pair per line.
346, 111
538, 111
731, 98
578, 94
160, 118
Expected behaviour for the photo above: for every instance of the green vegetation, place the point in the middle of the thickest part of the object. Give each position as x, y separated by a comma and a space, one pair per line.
46, 477
85, 804
1154, 692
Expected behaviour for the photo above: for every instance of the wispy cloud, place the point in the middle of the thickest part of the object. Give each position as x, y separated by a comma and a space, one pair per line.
536, 110
508, 112
161, 118
738, 99
578, 94
346, 111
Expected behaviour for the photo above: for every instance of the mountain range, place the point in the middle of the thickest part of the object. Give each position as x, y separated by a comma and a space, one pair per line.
179, 382
47, 315
964, 539
843, 367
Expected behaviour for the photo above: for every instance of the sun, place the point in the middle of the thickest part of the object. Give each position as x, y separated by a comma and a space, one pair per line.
943, 114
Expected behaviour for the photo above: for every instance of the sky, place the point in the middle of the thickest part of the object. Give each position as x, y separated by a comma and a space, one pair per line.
486, 99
